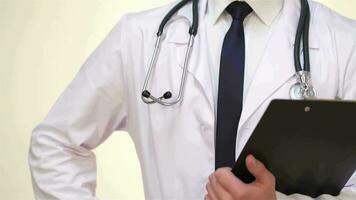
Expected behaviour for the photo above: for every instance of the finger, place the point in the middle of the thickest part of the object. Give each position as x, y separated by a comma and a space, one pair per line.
229, 181
211, 194
220, 192
258, 170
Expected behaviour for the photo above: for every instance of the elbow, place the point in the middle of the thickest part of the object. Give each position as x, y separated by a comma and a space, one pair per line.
46, 142
51, 146
56, 164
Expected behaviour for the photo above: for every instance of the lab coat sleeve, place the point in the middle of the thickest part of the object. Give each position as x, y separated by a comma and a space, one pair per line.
91, 107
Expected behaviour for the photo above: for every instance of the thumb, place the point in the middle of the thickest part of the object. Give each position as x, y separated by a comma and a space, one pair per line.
258, 170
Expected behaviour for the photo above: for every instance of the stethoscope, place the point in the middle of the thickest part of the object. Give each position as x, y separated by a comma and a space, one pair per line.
301, 90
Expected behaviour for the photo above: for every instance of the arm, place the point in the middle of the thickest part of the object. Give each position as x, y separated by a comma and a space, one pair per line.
91, 107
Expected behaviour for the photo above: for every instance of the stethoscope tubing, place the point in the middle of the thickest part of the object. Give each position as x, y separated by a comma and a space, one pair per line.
302, 34
146, 96
194, 27
302, 72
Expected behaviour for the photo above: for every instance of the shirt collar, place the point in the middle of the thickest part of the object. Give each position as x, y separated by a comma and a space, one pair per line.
266, 10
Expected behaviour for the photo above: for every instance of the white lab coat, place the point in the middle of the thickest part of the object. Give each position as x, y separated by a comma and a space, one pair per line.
175, 145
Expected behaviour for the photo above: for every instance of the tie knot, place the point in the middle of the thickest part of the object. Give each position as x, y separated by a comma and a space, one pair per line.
239, 10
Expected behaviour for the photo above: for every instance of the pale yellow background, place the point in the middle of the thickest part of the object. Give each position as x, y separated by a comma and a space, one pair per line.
43, 43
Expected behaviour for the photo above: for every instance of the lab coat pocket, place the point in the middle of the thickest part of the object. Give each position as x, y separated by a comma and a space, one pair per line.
167, 77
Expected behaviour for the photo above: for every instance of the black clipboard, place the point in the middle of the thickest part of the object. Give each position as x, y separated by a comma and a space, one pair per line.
309, 146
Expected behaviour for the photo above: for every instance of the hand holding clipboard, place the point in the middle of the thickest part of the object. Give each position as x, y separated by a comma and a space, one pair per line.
309, 146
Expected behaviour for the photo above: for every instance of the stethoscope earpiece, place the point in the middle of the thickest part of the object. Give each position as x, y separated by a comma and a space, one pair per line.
167, 95
146, 94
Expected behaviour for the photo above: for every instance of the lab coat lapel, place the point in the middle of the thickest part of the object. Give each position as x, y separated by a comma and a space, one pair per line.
275, 69
277, 65
198, 65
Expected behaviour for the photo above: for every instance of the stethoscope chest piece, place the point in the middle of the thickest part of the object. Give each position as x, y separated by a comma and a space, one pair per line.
299, 92
302, 90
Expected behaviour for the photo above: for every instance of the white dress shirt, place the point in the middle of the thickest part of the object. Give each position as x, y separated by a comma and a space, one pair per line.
257, 31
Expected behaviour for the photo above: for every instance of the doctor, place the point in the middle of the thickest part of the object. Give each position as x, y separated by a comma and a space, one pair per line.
176, 144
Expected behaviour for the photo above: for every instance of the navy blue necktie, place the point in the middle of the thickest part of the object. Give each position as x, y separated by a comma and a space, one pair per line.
231, 84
